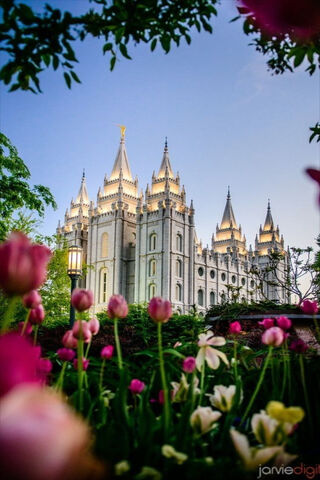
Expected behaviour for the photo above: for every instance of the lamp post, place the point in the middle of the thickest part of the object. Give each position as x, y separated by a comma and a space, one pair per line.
74, 272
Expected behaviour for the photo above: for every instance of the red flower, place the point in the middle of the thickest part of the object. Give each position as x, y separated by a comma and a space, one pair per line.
189, 364
23, 266
37, 315
235, 328
68, 340
315, 175
66, 354
85, 363
81, 299
31, 299
117, 307
107, 352
84, 330
284, 323
267, 323
136, 386
94, 326
309, 307
273, 336
159, 310
299, 346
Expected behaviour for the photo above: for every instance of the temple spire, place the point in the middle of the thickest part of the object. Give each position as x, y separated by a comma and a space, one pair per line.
121, 162
268, 224
83, 196
165, 167
228, 218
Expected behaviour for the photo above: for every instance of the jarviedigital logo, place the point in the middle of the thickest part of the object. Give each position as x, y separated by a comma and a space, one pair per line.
303, 470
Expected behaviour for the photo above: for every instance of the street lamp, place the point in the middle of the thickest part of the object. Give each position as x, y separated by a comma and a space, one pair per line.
74, 272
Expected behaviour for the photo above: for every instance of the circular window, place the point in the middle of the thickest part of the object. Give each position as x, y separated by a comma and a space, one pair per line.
243, 281
200, 271
233, 279
252, 284
223, 276
212, 274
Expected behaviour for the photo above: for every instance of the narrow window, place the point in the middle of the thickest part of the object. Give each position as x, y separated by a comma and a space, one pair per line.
152, 242
212, 298
179, 242
179, 268
152, 267
104, 245
200, 297
178, 292
152, 290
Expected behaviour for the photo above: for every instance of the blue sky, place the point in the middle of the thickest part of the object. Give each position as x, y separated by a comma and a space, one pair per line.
227, 119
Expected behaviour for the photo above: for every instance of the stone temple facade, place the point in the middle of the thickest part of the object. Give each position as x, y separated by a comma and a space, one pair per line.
146, 245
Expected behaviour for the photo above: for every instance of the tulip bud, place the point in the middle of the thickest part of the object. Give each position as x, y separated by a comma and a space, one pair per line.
81, 329
267, 323
159, 310
81, 299
136, 386
94, 326
68, 340
234, 328
36, 315
28, 329
189, 364
299, 346
66, 354
22, 265
309, 307
284, 323
274, 336
31, 299
107, 352
117, 307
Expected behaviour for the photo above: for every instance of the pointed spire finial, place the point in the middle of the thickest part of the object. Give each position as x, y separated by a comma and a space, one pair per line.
83, 174
269, 207
228, 195
122, 131
166, 144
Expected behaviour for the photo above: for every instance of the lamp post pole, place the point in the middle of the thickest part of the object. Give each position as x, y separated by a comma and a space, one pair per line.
74, 272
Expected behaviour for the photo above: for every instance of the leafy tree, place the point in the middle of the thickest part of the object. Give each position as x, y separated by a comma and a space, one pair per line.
16, 193
316, 268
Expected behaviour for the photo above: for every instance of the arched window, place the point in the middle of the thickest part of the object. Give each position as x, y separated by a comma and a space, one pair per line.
179, 268
200, 297
178, 292
152, 290
104, 245
152, 242
103, 285
212, 298
179, 242
152, 267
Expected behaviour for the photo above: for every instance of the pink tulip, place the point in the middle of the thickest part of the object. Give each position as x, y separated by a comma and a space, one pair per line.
41, 437
85, 363
81, 328
299, 346
117, 307
284, 323
235, 328
81, 299
189, 364
31, 299
66, 354
267, 323
300, 20
37, 315
315, 175
159, 310
94, 326
43, 369
22, 265
136, 386
309, 307
274, 336
68, 340
28, 329
107, 352
19, 362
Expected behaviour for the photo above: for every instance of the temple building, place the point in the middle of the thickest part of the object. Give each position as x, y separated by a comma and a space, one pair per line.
146, 245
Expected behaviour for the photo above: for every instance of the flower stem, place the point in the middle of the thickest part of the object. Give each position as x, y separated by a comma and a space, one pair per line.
59, 384
317, 327
164, 382
87, 349
235, 364
80, 368
304, 386
36, 328
101, 375
118, 346
203, 371
255, 393
8, 316
25, 323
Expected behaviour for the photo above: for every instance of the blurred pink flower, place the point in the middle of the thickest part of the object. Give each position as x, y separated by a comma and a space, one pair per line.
299, 346
66, 354
309, 307
31, 299
107, 352
267, 323
22, 265
161, 397
117, 307
86, 332
273, 336
189, 364
94, 326
19, 362
235, 328
136, 386
41, 437
160, 310
28, 329
85, 363
68, 340
298, 19
81, 299
44, 367
315, 175
177, 344
284, 323
37, 315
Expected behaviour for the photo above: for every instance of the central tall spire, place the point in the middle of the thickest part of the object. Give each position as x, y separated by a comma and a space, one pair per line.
83, 196
268, 223
228, 218
165, 167
121, 162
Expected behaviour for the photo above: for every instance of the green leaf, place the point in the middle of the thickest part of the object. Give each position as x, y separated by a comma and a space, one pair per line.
299, 57
153, 44
67, 79
55, 62
106, 47
124, 51
112, 63
75, 77
46, 58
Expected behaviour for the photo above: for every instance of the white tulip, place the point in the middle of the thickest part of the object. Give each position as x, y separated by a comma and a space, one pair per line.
204, 419
223, 397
